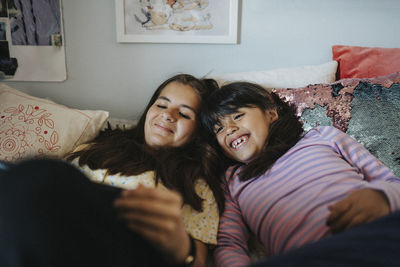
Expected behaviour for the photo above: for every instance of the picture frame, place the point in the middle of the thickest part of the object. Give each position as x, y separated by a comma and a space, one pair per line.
177, 21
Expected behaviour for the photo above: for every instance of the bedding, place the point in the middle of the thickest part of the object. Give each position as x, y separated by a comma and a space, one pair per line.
366, 108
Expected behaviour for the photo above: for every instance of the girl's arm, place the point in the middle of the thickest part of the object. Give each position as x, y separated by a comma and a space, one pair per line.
201, 254
233, 235
381, 195
375, 172
156, 214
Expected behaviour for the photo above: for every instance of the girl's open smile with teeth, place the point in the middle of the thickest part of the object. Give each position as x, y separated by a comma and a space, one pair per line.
239, 141
242, 134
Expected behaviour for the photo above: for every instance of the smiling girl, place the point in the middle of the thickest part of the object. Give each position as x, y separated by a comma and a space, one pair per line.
288, 188
166, 215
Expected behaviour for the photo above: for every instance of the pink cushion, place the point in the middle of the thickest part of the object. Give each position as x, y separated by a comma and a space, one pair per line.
366, 62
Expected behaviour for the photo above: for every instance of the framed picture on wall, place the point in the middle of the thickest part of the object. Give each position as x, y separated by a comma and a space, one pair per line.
177, 21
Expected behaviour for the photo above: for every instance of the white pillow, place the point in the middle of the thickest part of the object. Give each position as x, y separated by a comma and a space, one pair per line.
120, 123
284, 78
37, 127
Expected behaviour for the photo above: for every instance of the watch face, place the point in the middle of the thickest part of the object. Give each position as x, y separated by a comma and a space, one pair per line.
189, 259
192, 252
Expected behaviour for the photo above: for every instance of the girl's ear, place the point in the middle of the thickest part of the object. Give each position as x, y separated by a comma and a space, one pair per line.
272, 115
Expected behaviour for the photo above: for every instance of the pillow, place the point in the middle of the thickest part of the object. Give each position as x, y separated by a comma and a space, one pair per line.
367, 109
289, 77
366, 62
115, 123
36, 127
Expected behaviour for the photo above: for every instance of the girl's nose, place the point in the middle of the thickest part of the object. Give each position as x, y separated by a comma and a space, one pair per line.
168, 116
231, 129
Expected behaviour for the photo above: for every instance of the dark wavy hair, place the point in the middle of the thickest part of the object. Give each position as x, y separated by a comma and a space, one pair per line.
125, 151
284, 133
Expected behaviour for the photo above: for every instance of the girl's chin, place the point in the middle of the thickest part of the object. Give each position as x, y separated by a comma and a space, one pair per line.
245, 159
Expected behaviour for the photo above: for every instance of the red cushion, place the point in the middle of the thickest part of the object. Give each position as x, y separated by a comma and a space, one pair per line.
366, 62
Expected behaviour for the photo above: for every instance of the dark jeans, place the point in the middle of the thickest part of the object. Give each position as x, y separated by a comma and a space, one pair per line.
372, 244
52, 215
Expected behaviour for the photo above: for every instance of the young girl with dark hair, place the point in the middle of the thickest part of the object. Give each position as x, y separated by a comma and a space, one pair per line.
52, 215
170, 161
290, 188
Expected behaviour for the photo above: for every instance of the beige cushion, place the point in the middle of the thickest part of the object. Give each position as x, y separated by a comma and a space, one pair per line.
33, 127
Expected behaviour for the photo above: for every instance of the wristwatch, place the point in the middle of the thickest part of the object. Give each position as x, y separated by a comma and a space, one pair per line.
192, 253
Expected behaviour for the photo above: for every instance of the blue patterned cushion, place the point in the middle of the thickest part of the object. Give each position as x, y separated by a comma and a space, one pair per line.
367, 109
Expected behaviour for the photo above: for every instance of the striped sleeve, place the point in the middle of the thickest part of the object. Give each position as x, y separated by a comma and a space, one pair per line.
379, 176
232, 237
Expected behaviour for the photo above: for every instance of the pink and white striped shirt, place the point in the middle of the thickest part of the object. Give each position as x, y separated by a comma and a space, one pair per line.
288, 205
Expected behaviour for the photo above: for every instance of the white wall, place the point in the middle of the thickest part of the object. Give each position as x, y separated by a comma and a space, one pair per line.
120, 78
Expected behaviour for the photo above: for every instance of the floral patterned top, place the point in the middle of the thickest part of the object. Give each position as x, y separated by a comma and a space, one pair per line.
202, 226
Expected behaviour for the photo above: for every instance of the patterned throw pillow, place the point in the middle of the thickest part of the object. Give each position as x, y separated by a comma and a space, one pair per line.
36, 127
367, 109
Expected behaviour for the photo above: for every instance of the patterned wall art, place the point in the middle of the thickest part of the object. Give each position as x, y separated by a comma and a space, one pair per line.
31, 40
177, 21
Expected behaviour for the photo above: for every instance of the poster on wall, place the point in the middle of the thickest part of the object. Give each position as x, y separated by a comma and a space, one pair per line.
177, 21
31, 40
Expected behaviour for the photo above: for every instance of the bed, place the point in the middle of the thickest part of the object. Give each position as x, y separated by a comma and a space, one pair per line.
357, 92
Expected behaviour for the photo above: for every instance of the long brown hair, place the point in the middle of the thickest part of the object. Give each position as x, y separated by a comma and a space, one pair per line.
126, 152
284, 132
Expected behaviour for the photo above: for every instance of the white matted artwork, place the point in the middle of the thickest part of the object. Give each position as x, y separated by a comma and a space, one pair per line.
177, 21
33, 49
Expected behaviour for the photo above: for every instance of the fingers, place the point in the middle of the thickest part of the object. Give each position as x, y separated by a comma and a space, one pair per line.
359, 207
151, 200
161, 221
156, 214
147, 206
338, 210
357, 220
150, 210
145, 193
349, 219
341, 218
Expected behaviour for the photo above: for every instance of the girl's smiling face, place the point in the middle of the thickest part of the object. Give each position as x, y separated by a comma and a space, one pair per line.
172, 119
242, 134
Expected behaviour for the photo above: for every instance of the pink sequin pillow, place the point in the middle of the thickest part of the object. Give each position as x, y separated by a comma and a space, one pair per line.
36, 127
366, 109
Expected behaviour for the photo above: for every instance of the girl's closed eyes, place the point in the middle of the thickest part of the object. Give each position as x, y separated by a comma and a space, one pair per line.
185, 116
181, 113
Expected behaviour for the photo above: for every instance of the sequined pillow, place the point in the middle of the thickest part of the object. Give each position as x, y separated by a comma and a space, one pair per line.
367, 109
